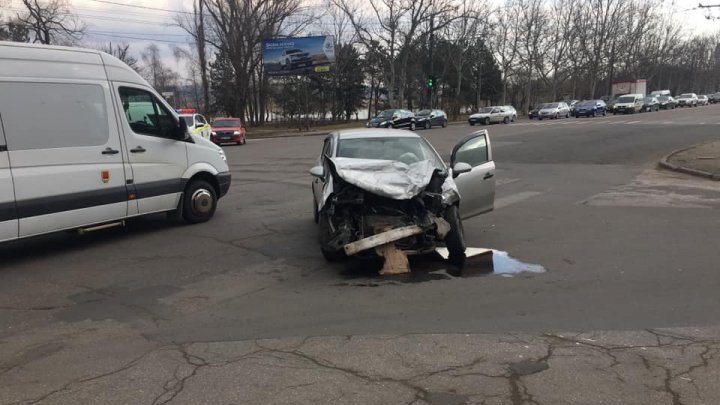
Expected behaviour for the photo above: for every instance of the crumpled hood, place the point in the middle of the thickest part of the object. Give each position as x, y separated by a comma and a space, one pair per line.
391, 179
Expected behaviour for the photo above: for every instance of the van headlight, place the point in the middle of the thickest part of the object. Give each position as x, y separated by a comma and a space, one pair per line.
222, 155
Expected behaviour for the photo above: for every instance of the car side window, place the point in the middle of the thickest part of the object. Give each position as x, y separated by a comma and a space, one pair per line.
200, 119
145, 114
473, 152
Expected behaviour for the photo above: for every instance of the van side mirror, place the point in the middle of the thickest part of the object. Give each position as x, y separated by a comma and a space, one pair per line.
181, 130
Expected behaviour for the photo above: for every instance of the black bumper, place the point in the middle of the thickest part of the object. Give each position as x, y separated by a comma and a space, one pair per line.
224, 179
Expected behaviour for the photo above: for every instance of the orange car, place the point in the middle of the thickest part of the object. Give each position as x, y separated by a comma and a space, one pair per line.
228, 130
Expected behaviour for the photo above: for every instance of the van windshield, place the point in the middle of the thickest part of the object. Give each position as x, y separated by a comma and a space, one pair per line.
626, 99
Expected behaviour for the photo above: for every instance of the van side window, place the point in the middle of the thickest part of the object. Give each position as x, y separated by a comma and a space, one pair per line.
145, 115
53, 115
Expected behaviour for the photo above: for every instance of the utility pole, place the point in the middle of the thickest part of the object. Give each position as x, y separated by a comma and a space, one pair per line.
431, 80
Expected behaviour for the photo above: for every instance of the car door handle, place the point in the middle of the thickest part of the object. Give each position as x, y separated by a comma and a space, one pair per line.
138, 149
489, 176
110, 151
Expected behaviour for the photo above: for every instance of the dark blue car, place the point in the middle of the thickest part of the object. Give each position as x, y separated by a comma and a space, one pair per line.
590, 108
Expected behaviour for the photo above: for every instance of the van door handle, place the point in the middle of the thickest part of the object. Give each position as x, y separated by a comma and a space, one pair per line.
488, 176
110, 151
138, 149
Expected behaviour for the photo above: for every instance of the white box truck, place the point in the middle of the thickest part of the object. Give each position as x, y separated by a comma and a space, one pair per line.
86, 142
629, 87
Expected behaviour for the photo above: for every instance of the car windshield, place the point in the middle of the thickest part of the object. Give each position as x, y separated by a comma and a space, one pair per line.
386, 114
423, 113
648, 99
551, 105
626, 99
663, 98
226, 123
686, 95
586, 104
405, 149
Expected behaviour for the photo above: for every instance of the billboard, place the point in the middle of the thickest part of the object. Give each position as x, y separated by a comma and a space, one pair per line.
298, 56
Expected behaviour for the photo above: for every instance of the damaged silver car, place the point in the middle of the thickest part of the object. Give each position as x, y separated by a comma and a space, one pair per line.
375, 188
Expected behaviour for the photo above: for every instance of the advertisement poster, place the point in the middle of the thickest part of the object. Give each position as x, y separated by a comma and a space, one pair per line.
298, 56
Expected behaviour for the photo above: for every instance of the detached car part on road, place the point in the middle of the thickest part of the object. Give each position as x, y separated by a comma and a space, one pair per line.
378, 187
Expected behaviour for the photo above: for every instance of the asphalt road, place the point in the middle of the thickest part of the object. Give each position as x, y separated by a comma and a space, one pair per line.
626, 247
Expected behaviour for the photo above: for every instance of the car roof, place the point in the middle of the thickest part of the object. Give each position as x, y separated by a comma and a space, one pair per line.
361, 133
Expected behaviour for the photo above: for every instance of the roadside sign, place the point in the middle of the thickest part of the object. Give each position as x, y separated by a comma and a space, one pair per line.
298, 55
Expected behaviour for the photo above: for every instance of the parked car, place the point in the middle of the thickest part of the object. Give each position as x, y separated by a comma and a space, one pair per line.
491, 115
394, 118
512, 110
651, 103
667, 102
534, 112
86, 143
228, 130
197, 124
554, 111
291, 59
571, 104
687, 100
429, 118
590, 108
703, 100
629, 104
372, 187
714, 98
658, 93
610, 105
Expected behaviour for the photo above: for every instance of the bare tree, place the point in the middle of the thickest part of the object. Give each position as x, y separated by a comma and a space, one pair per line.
194, 24
504, 43
122, 52
51, 22
161, 77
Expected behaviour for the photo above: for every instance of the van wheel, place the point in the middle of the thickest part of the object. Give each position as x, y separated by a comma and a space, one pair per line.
455, 239
199, 202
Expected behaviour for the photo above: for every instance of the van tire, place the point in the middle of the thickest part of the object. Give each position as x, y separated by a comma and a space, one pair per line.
199, 202
455, 239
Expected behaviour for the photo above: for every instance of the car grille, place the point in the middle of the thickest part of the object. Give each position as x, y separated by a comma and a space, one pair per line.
224, 134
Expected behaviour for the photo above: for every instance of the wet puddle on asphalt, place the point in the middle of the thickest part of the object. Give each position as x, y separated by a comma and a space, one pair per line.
431, 267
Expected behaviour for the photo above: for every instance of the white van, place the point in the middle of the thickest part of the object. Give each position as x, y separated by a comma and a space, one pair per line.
629, 104
85, 143
658, 93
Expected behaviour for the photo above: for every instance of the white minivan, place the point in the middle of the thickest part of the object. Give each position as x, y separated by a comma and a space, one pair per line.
85, 142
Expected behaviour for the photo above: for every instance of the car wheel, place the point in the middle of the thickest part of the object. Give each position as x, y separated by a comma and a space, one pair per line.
412, 126
486, 121
329, 255
199, 202
567, 115
444, 123
472, 124
455, 239
506, 120
539, 118
427, 125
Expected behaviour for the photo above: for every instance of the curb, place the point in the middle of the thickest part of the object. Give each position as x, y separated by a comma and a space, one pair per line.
664, 162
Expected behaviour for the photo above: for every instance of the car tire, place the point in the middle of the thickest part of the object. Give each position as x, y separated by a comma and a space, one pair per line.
506, 120
486, 121
539, 118
567, 115
455, 239
444, 123
427, 125
412, 126
472, 124
199, 202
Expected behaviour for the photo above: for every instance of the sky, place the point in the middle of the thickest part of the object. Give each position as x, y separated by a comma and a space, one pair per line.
147, 23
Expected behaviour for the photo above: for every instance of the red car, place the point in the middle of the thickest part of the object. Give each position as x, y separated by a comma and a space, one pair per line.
228, 130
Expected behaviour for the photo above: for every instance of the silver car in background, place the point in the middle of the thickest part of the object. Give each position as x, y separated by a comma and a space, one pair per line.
493, 115
554, 111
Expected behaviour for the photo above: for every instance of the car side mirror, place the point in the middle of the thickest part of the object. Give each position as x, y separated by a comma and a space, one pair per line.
394, 117
318, 171
461, 168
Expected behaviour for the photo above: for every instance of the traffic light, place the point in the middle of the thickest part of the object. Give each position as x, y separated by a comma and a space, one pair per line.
430, 82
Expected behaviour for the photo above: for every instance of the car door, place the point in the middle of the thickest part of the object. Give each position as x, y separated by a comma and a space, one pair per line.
65, 154
476, 187
8, 214
318, 183
158, 161
203, 126
495, 115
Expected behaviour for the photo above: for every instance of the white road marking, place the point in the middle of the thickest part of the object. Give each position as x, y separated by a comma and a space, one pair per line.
632, 122
515, 198
502, 182
618, 122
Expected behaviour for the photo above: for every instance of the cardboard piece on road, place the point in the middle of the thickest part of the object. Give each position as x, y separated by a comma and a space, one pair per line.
396, 261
